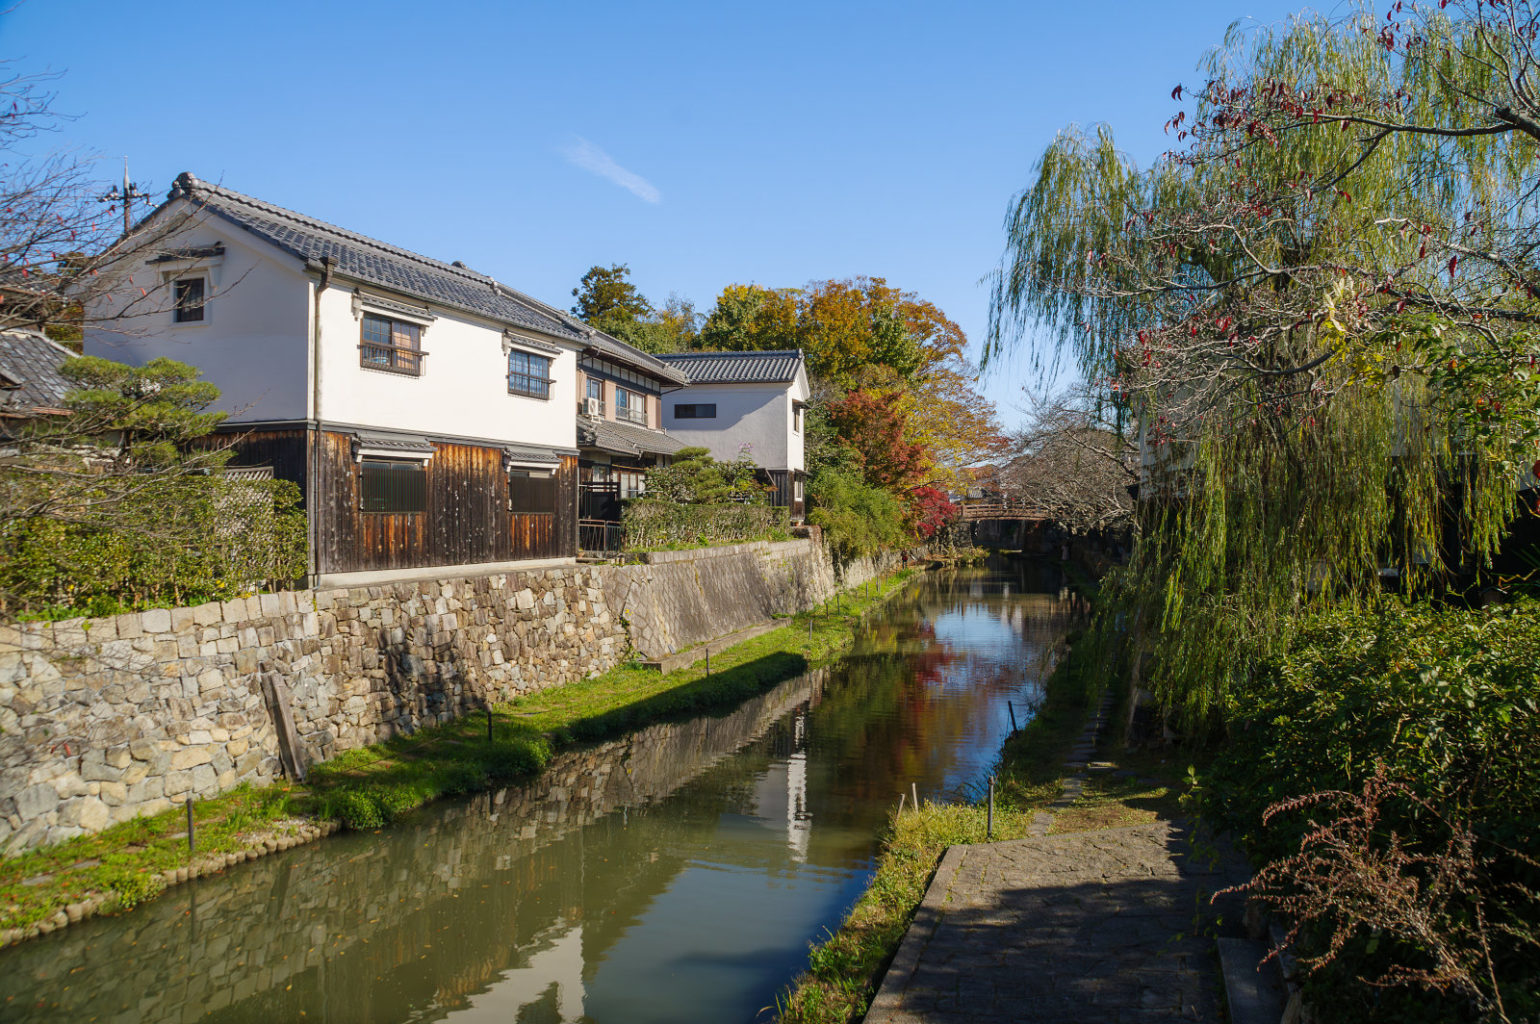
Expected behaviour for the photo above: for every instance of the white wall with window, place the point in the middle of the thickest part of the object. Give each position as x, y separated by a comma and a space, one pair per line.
245, 317
240, 315
725, 417
472, 378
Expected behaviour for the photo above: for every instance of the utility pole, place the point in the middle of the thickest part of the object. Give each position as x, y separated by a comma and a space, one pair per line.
126, 197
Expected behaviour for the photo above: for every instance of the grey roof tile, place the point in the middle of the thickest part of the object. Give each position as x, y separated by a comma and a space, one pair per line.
531, 454
361, 258
771, 367
29, 366
626, 439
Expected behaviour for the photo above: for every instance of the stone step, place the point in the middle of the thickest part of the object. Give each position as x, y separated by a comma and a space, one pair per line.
1255, 995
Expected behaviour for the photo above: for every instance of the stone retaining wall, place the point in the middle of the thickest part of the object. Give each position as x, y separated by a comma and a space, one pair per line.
105, 719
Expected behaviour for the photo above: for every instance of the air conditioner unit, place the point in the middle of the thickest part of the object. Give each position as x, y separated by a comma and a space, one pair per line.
591, 407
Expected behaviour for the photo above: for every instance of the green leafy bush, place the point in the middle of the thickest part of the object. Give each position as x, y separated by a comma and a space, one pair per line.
1388, 767
509, 762
858, 518
653, 524
124, 502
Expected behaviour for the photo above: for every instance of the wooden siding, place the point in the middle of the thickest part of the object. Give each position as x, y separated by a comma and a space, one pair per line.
284, 450
467, 519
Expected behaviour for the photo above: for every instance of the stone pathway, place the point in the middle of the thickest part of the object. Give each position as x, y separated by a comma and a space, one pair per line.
1112, 925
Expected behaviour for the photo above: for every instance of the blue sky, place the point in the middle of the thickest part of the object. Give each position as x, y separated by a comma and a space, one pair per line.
702, 143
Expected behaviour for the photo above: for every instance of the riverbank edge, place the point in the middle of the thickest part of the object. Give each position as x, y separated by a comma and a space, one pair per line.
845, 971
135, 849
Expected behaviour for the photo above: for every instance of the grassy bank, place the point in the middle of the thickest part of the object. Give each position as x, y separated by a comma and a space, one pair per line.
367, 787
844, 972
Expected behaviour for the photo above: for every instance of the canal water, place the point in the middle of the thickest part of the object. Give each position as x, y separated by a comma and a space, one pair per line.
675, 875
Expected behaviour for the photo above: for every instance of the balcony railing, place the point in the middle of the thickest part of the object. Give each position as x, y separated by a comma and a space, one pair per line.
391, 358
632, 415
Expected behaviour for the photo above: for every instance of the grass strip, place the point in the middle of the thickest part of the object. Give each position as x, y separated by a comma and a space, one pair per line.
844, 971
367, 787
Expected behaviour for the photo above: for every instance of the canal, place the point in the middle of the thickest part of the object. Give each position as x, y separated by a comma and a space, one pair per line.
674, 875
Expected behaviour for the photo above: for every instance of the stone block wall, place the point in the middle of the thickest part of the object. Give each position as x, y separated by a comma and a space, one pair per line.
105, 719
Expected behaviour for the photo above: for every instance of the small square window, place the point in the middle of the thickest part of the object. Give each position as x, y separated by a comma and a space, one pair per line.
188, 297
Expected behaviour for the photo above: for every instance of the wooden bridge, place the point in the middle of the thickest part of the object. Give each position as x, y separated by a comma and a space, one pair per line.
977, 510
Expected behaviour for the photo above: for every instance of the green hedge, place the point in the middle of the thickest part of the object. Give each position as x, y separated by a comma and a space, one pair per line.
171, 540
1399, 753
651, 524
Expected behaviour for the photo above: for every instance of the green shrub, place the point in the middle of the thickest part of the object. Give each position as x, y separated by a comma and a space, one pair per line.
149, 518
509, 762
857, 518
652, 524
1399, 752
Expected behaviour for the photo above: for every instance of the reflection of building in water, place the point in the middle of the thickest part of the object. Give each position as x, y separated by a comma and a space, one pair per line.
551, 979
780, 795
484, 908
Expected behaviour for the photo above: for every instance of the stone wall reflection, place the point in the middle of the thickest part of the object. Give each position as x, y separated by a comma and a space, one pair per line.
480, 900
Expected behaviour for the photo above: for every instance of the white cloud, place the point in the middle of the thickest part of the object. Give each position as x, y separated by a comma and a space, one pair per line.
582, 153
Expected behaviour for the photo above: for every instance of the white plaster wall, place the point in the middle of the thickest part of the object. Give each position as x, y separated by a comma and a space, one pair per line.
798, 392
253, 341
794, 437
759, 414
463, 389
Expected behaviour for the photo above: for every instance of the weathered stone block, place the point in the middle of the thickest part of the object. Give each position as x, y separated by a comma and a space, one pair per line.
191, 757
156, 620
178, 783
35, 801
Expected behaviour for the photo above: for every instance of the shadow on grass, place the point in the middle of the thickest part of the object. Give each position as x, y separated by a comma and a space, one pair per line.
720, 690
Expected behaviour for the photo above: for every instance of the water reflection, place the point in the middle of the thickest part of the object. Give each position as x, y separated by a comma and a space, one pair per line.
675, 875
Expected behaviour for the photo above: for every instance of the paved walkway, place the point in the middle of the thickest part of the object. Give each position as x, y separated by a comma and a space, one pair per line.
1112, 925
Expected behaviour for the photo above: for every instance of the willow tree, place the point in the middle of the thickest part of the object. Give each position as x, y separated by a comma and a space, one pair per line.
1321, 307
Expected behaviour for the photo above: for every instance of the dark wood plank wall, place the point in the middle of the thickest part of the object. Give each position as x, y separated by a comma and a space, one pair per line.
284, 450
467, 519
564, 524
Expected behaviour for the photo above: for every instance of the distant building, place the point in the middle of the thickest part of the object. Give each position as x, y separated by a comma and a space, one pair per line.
745, 403
620, 432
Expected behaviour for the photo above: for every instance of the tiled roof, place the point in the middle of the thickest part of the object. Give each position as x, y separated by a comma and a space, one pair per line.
30, 381
775, 367
523, 453
369, 261
406, 445
625, 439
